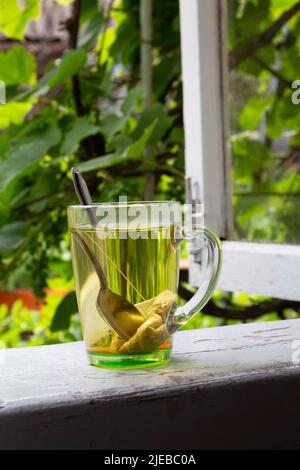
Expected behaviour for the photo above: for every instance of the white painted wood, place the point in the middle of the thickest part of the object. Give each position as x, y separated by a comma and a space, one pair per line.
225, 116
51, 398
203, 90
258, 268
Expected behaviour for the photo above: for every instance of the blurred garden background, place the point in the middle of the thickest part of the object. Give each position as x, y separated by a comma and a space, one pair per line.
78, 94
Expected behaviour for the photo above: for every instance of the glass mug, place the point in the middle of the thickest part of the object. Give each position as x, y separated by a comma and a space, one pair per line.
126, 266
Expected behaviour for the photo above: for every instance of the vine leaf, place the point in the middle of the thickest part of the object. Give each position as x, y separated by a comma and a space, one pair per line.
80, 129
12, 235
132, 152
13, 113
163, 122
69, 65
26, 153
254, 110
63, 313
17, 66
14, 19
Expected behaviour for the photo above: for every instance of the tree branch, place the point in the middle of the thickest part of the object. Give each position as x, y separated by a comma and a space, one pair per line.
73, 28
249, 49
248, 313
231, 313
274, 72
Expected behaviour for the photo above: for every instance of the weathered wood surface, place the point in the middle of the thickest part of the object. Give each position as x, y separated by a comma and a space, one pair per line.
231, 387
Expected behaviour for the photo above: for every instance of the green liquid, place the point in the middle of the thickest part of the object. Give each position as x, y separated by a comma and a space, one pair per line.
138, 270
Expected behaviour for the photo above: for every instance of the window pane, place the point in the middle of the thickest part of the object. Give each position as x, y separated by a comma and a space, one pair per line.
265, 118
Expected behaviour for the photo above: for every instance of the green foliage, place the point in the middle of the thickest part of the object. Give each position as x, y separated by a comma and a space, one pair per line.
25, 153
20, 326
265, 122
131, 152
84, 109
14, 18
13, 114
17, 66
69, 65
253, 112
64, 312
12, 235
80, 129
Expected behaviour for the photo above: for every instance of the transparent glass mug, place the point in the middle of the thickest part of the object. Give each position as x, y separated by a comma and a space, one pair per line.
126, 266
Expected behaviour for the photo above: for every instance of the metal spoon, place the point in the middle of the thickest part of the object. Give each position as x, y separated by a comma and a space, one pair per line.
120, 314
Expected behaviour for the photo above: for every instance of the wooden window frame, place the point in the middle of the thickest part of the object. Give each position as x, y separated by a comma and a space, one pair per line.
255, 268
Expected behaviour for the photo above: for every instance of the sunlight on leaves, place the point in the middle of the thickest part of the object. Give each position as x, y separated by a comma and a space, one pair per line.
14, 18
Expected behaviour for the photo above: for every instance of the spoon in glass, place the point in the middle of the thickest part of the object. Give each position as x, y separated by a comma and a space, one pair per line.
121, 315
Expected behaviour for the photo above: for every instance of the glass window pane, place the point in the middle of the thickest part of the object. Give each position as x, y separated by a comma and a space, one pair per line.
264, 63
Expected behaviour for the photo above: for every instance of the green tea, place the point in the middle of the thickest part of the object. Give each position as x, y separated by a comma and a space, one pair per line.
141, 266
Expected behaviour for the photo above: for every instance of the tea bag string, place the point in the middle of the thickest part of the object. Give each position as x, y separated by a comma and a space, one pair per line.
114, 264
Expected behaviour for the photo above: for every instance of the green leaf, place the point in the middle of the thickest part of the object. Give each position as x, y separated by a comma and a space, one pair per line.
92, 30
16, 66
44, 185
80, 129
13, 113
69, 65
243, 3
250, 157
119, 143
256, 17
136, 149
148, 116
280, 6
253, 112
88, 10
165, 72
111, 124
99, 163
129, 102
14, 19
63, 313
4, 143
12, 235
133, 152
26, 153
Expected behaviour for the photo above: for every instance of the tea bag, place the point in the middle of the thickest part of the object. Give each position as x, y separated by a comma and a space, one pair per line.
153, 331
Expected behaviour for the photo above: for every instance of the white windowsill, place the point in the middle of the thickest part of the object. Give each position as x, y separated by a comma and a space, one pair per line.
51, 397
259, 269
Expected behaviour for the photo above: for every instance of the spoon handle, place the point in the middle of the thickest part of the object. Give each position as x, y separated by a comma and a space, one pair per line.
93, 259
85, 199
83, 195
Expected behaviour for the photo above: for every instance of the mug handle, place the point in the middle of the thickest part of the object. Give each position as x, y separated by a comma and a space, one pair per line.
210, 242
